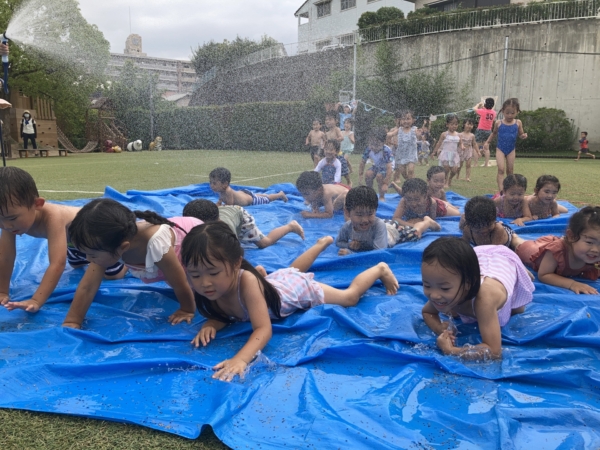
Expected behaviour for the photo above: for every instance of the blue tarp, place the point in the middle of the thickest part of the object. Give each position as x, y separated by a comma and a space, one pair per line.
363, 377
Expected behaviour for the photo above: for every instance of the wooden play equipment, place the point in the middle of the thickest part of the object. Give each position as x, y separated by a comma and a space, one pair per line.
102, 126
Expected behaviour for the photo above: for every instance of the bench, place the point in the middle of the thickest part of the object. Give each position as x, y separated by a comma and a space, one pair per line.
61, 152
43, 152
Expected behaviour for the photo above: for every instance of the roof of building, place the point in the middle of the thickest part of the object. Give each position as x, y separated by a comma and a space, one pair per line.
175, 97
302, 6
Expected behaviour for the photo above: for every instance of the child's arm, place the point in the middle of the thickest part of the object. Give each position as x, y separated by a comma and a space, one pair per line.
431, 316
527, 215
361, 170
343, 240
220, 201
493, 135
388, 174
308, 138
261, 325
338, 134
554, 209
522, 134
351, 136
228, 197
175, 277
84, 296
399, 214
8, 253
208, 332
316, 214
546, 275
57, 255
436, 149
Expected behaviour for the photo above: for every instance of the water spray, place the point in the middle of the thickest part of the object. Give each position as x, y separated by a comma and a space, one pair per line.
5, 64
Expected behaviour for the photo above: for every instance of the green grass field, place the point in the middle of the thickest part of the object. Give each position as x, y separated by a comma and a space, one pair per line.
86, 175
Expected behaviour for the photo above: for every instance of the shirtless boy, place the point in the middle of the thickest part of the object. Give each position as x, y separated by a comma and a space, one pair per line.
315, 141
219, 183
329, 196
333, 132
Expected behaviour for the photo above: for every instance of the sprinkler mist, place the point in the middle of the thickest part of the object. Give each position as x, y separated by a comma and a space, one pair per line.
5, 64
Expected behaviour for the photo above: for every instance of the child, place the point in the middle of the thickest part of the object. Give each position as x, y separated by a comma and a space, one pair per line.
416, 205
487, 116
423, 150
229, 289
479, 225
364, 231
108, 232
347, 145
240, 222
382, 158
28, 130
510, 204
542, 204
558, 260
436, 179
406, 154
330, 167
315, 140
219, 183
333, 132
583, 146
507, 131
486, 284
344, 116
469, 148
450, 147
24, 212
317, 194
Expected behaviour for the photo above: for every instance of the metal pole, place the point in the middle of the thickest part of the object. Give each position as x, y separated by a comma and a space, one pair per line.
151, 112
354, 75
504, 70
2, 144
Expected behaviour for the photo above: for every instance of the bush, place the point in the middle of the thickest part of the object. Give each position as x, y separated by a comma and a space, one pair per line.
547, 129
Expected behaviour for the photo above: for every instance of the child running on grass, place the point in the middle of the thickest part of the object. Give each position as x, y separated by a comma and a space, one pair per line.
315, 140
347, 145
24, 212
364, 231
406, 155
383, 162
507, 130
449, 148
583, 146
318, 195
559, 260
240, 222
220, 178
228, 289
511, 203
486, 284
108, 233
469, 152
542, 204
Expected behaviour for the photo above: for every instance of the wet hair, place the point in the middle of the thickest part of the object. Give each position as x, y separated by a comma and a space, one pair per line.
434, 170
584, 132
350, 120
215, 241
583, 219
317, 120
480, 212
546, 179
402, 113
514, 180
331, 115
466, 121
361, 197
378, 134
489, 103
451, 118
309, 181
415, 185
202, 209
514, 102
220, 174
457, 256
334, 143
17, 188
104, 224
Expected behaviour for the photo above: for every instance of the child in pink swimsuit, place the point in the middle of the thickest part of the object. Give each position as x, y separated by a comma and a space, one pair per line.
228, 288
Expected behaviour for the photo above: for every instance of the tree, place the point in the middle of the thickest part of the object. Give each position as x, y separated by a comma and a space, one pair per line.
211, 54
383, 15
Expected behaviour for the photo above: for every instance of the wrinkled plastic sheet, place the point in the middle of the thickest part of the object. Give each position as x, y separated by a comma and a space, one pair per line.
363, 377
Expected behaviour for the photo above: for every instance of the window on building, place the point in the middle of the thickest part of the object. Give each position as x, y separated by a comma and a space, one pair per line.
372, 1
347, 4
323, 9
450, 6
303, 18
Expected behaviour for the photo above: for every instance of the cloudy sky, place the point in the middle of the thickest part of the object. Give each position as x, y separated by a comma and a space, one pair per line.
169, 28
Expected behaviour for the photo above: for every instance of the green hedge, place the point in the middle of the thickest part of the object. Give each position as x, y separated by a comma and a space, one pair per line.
276, 126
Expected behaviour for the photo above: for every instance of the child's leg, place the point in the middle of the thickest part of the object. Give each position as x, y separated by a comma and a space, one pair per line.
397, 172
578, 156
501, 161
486, 152
369, 177
279, 232
562, 209
468, 169
383, 187
459, 169
360, 285
279, 196
451, 210
306, 259
397, 188
346, 156
410, 171
348, 180
510, 162
453, 172
421, 227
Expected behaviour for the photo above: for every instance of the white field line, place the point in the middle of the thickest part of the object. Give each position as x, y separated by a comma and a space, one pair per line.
243, 180
75, 192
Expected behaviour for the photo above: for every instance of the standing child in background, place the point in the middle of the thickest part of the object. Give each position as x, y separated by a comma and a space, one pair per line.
423, 150
416, 205
511, 203
28, 130
333, 133
330, 167
347, 145
229, 289
345, 115
480, 227
108, 232
449, 147
486, 284
507, 131
315, 140
364, 231
240, 222
220, 178
382, 158
24, 212
470, 151
487, 116
329, 196
558, 260
542, 204
406, 155
583, 146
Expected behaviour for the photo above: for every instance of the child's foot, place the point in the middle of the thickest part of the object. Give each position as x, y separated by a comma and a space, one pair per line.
295, 227
261, 270
282, 196
325, 242
432, 224
388, 279
469, 180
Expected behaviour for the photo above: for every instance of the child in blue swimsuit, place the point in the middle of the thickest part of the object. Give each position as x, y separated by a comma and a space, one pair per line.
507, 131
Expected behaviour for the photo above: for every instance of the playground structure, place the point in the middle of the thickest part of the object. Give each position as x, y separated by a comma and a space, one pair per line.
102, 125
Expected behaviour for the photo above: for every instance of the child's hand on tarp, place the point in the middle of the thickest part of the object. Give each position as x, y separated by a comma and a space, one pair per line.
229, 368
31, 306
180, 316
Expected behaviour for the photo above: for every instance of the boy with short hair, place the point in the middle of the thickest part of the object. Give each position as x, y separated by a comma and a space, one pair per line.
383, 162
240, 222
333, 132
220, 178
315, 141
583, 146
317, 194
330, 167
364, 231
23, 211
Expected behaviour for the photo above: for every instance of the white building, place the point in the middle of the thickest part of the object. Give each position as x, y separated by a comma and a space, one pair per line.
333, 22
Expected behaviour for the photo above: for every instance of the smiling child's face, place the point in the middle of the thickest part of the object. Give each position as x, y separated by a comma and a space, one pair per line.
442, 287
